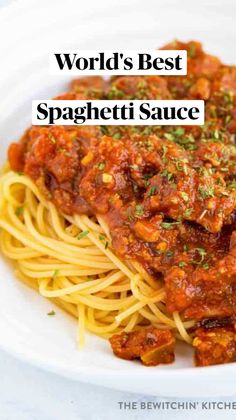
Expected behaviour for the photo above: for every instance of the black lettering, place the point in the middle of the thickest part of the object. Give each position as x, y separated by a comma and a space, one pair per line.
79, 115
54, 114
102, 63
42, 111
67, 60
144, 61
192, 111
103, 113
113, 62
177, 62
169, 65
81, 63
179, 113
144, 109
128, 64
67, 113
157, 61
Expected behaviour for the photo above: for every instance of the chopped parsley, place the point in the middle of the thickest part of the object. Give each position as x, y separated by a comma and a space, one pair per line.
206, 192
228, 96
166, 174
228, 119
188, 212
175, 134
139, 211
188, 142
146, 178
83, 234
52, 313
182, 264
216, 134
169, 136
169, 253
179, 131
134, 167
178, 136
104, 129
164, 151
101, 166
191, 50
205, 266
19, 210
152, 191
115, 93
224, 169
147, 144
52, 138
116, 136
180, 165
102, 238
147, 131
201, 253
232, 185
169, 225
56, 273
185, 196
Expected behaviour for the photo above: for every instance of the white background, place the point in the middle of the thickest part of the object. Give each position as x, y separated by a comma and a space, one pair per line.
27, 393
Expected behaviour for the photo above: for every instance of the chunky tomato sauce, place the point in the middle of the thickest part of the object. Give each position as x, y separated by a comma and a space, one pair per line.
168, 194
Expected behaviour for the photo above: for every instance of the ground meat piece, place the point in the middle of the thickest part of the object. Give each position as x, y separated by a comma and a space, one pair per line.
153, 346
200, 90
215, 346
204, 292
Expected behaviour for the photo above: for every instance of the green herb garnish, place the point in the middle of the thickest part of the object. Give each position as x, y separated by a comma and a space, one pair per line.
19, 210
169, 253
185, 196
139, 211
52, 138
115, 93
116, 136
134, 167
169, 225
166, 174
56, 273
152, 191
82, 234
206, 192
182, 264
101, 166
103, 238
188, 212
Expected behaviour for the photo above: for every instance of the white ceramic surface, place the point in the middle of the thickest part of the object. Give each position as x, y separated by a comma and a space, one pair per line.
28, 31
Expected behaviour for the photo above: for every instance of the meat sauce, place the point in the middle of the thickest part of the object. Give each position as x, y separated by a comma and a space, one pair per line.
168, 194
152, 345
